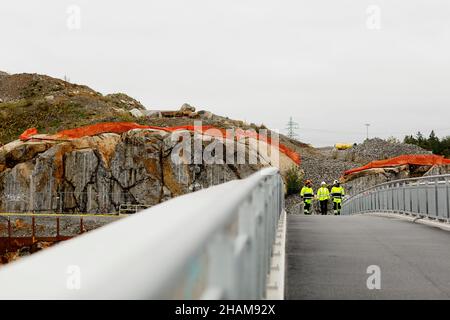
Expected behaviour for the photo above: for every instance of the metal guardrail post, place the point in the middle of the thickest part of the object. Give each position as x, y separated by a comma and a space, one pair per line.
9, 232
391, 191
418, 198
448, 197
436, 198
410, 198
404, 196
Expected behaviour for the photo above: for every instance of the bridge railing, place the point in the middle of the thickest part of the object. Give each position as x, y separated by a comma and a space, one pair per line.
424, 196
211, 244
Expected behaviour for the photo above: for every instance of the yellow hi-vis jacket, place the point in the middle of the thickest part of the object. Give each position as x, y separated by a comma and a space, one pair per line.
307, 194
323, 194
337, 193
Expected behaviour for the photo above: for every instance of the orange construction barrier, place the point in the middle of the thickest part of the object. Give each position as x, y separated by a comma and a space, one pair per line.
419, 160
28, 133
121, 127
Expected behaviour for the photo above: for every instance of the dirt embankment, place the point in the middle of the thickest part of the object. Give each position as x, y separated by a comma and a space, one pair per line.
51, 105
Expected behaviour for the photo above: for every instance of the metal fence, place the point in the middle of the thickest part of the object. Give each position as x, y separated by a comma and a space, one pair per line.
92, 202
424, 196
18, 232
211, 244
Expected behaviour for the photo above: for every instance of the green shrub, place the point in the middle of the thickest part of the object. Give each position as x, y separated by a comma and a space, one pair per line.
294, 179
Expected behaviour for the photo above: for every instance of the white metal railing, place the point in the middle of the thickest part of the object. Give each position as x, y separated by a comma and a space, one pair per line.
211, 244
424, 196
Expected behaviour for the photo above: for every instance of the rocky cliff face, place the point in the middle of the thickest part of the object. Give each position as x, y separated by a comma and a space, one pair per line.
97, 174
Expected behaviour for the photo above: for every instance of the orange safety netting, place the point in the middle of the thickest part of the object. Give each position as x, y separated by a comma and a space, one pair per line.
419, 160
28, 133
121, 127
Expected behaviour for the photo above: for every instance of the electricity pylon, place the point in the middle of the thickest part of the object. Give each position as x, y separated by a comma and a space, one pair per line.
291, 127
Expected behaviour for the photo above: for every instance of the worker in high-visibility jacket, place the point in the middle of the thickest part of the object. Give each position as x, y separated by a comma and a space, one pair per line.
307, 194
323, 195
337, 193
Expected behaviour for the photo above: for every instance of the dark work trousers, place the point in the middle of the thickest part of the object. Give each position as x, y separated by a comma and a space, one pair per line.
337, 207
307, 208
324, 207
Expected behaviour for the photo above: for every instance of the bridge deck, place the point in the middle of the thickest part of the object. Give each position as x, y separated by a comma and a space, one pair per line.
327, 258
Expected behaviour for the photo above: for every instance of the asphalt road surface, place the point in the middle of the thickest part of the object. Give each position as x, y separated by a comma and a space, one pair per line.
328, 256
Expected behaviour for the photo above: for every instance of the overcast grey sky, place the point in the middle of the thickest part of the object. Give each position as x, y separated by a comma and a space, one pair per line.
323, 62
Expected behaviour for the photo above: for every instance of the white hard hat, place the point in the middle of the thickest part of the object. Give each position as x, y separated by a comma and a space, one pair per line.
336, 182
323, 183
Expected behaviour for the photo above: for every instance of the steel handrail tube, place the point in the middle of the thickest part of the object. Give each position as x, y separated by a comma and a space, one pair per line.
211, 244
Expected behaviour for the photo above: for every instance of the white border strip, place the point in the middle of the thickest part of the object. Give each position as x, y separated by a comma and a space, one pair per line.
413, 219
275, 279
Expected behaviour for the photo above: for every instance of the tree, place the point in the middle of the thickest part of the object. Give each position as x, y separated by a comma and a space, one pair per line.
445, 146
410, 139
432, 143
421, 140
